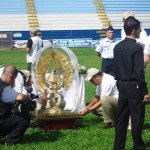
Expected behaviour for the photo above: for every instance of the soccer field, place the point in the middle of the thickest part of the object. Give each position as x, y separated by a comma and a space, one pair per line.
89, 134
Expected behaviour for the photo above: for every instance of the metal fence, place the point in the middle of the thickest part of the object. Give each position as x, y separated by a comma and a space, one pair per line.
5, 40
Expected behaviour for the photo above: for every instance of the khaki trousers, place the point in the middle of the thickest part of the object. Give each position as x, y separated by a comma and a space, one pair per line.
109, 108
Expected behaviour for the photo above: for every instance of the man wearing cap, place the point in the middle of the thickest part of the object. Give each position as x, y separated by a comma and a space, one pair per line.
143, 35
106, 97
105, 50
22, 81
12, 125
33, 45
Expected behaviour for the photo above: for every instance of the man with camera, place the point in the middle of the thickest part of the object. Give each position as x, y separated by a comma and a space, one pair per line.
22, 85
12, 125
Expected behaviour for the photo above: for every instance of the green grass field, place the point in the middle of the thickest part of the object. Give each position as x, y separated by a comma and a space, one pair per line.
89, 134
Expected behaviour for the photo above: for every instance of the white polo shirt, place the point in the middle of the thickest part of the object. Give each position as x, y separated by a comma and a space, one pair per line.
107, 87
147, 47
37, 44
106, 47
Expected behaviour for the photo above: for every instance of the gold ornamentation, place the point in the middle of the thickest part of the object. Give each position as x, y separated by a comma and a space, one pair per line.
58, 61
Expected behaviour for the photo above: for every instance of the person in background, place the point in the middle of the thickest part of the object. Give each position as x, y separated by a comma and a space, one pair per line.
34, 44
147, 52
105, 50
133, 93
12, 125
106, 97
143, 35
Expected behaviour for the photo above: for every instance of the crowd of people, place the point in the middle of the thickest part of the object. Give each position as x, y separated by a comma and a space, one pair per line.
121, 89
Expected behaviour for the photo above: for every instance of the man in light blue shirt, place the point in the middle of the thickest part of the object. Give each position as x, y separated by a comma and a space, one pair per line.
105, 50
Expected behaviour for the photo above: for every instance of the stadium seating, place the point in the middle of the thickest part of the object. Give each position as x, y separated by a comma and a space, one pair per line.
67, 15
62, 19
13, 15
115, 10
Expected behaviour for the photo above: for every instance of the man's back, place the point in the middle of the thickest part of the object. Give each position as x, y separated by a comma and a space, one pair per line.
37, 43
34, 43
128, 58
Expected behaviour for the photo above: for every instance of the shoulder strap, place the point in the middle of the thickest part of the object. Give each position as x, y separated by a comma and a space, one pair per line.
24, 77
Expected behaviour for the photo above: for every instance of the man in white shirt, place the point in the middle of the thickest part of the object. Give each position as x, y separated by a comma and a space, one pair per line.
33, 45
147, 51
106, 97
143, 35
105, 50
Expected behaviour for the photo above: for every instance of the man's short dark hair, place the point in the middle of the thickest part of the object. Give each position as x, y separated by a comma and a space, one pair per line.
10, 69
130, 24
110, 28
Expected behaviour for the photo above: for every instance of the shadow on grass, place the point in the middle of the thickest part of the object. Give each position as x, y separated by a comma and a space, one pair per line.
88, 120
147, 145
37, 135
147, 126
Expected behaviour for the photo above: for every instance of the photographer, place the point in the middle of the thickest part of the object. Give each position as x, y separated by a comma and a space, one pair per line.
23, 85
12, 125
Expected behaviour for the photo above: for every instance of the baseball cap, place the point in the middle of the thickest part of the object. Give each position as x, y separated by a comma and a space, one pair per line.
33, 31
128, 14
26, 73
90, 73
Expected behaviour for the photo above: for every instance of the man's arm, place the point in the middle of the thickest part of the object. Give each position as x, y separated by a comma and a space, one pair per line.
98, 54
147, 52
146, 59
9, 95
27, 49
21, 97
29, 45
139, 70
94, 104
99, 49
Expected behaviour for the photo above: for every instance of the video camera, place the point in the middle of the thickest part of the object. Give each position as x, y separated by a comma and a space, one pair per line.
30, 103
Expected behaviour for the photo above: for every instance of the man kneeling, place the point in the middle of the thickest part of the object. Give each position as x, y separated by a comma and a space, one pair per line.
105, 101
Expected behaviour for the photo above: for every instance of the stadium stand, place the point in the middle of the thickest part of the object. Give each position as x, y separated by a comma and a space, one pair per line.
13, 16
115, 10
68, 19
68, 15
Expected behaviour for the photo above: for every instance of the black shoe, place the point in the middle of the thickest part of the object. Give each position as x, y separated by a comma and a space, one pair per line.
108, 125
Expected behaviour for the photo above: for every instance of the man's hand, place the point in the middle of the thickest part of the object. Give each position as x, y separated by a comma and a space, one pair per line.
84, 111
146, 98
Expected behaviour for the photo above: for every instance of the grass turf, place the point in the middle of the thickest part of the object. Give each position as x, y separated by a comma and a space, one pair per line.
89, 134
